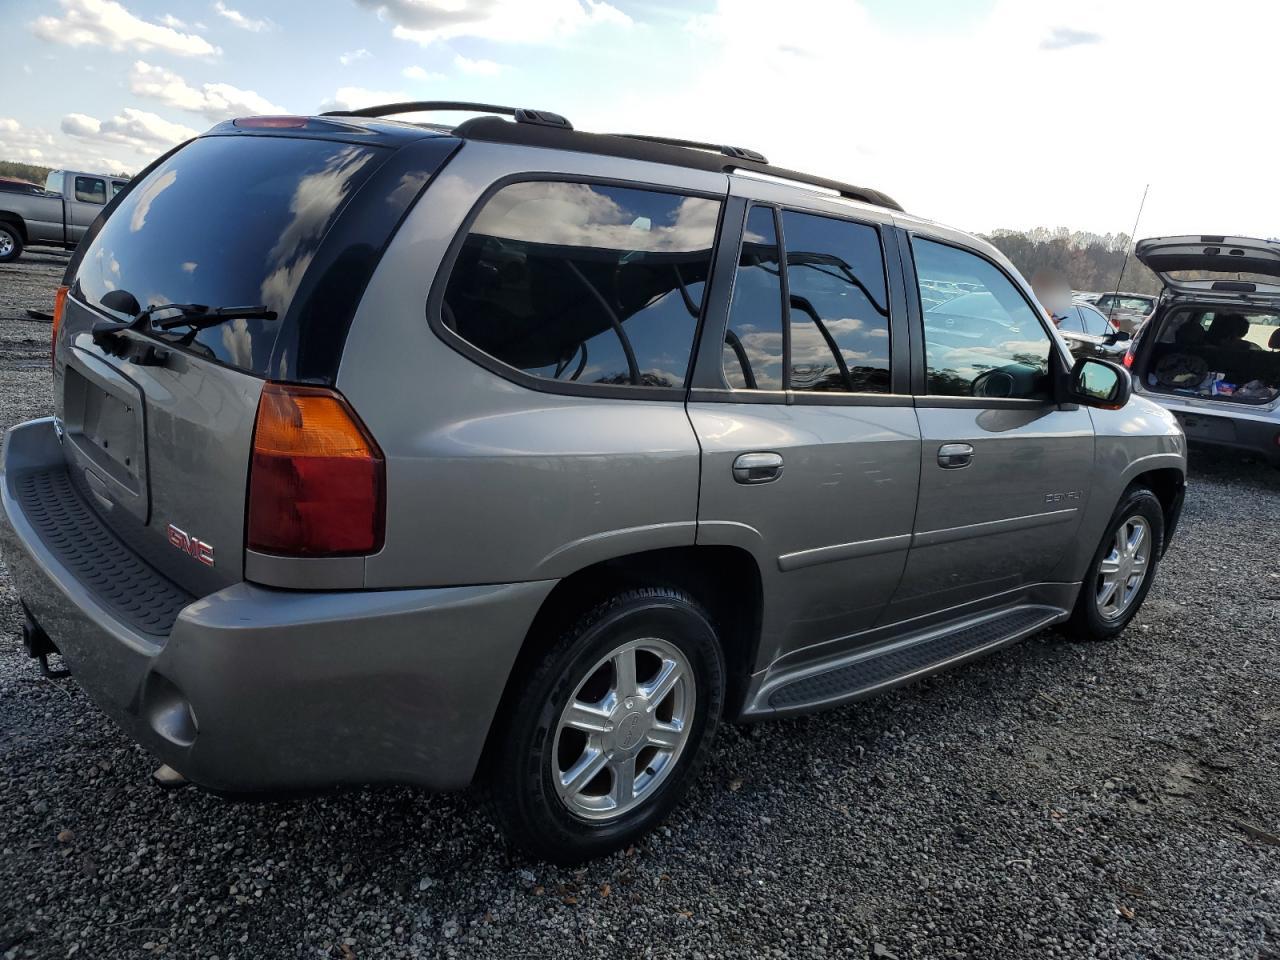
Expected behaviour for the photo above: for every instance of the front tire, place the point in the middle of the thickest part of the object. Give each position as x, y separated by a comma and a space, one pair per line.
10, 242
607, 734
1122, 569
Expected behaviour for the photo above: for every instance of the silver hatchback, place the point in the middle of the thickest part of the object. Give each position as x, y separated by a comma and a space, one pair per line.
514, 454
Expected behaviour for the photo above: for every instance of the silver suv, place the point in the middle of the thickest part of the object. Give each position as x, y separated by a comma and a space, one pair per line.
515, 454
1211, 351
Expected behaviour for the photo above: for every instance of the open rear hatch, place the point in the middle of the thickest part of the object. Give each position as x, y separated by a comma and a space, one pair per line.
1213, 264
157, 425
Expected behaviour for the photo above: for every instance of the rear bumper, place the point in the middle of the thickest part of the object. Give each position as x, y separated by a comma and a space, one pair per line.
1225, 425
256, 689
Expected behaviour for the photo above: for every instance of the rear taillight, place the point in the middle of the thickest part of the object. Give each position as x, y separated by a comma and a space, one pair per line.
59, 304
1128, 354
317, 483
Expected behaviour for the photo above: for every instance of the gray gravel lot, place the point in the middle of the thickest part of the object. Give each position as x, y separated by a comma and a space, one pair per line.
1120, 800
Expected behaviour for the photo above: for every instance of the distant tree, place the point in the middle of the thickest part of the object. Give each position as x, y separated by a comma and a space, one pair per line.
1089, 261
23, 171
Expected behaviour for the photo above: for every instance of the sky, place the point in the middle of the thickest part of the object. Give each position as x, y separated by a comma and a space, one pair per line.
983, 114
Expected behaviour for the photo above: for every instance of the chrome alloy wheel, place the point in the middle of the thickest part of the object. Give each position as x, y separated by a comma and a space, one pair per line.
1124, 568
6, 242
623, 729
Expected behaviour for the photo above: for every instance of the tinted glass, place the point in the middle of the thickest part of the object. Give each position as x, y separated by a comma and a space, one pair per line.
1112, 302
753, 340
117, 186
982, 338
91, 190
227, 221
1094, 322
839, 305
1072, 321
585, 283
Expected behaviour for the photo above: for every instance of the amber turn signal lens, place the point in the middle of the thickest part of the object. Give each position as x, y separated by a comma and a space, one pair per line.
317, 480
59, 305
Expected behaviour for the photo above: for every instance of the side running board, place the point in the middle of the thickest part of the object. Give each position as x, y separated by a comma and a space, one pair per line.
869, 671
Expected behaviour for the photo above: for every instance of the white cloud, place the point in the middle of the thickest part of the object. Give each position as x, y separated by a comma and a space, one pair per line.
354, 56
145, 132
34, 145
353, 98
512, 21
169, 20
477, 68
241, 20
421, 73
986, 129
108, 24
216, 101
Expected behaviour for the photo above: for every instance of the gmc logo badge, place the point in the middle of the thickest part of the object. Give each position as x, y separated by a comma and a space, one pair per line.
191, 546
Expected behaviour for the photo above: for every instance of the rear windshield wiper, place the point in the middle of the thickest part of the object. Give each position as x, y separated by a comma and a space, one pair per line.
196, 316
199, 316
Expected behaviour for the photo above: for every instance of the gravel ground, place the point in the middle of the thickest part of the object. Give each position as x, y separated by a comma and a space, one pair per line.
1120, 800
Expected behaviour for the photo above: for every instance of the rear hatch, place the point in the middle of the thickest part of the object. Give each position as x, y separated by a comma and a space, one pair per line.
157, 426
1209, 264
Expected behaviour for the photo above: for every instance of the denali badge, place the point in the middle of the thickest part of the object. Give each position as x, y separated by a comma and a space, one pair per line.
191, 546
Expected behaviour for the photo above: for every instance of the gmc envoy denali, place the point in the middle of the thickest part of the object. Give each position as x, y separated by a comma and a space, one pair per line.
514, 454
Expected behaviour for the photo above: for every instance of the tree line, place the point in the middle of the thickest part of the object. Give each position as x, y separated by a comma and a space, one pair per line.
1089, 261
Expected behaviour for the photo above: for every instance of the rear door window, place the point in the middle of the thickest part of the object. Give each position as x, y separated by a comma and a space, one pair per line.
226, 221
1072, 321
91, 190
584, 283
1094, 322
839, 305
837, 319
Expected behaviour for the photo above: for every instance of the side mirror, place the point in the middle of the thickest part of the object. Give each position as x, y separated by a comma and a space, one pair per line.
1119, 336
1099, 383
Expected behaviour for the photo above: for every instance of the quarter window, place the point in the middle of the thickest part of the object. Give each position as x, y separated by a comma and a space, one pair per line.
91, 190
585, 283
982, 338
753, 341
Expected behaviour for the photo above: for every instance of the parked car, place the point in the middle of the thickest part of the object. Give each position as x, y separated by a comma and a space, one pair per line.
56, 215
1211, 352
1085, 296
496, 453
1089, 333
1128, 311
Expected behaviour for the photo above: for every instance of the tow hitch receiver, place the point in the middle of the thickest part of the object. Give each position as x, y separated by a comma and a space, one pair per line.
38, 646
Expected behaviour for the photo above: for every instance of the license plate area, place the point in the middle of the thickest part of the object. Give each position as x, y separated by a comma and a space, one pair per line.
103, 430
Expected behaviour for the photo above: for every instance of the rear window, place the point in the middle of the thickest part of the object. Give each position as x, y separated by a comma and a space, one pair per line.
583, 283
1112, 302
226, 221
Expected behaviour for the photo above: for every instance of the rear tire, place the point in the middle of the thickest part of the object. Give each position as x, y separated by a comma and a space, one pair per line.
10, 242
593, 753
1112, 594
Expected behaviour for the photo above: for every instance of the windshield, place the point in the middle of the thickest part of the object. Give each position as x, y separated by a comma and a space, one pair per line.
225, 221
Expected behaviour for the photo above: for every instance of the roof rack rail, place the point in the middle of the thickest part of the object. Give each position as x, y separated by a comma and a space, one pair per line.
738, 153
543, 118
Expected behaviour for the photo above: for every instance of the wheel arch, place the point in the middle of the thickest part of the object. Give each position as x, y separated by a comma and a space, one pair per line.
1169, 486
725, 580
16, 220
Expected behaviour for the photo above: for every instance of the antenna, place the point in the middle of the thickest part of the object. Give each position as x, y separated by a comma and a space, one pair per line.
1132, 241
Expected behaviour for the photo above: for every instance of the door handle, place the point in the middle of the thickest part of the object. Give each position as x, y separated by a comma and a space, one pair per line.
953, 456
757, 467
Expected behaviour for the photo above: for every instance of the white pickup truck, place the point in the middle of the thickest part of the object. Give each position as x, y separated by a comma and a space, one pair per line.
56, 214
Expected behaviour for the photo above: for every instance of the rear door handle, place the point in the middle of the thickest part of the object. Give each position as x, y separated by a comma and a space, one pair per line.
953, 456
757, 467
